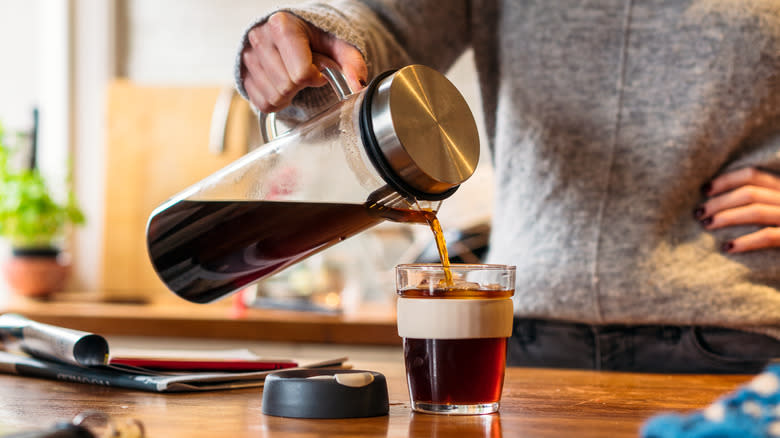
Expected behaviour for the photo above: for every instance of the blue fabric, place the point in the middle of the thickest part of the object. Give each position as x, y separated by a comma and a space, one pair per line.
753, 411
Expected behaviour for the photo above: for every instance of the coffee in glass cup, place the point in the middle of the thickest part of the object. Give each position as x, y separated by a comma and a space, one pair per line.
455, 335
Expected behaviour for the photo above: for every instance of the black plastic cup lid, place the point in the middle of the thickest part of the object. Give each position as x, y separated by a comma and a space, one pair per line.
325, 393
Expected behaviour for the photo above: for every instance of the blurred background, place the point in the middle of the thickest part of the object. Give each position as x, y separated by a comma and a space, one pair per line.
127, 92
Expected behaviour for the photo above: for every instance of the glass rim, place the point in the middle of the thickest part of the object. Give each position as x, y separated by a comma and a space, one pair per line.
454, 267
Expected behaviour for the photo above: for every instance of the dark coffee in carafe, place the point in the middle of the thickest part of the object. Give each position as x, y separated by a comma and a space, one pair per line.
205, 249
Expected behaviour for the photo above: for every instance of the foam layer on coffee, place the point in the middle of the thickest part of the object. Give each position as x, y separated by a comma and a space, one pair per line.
423, 318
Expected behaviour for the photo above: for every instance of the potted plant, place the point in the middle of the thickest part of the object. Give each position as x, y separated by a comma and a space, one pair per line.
34, 223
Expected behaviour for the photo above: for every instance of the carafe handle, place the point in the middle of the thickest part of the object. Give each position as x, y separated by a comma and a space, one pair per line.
337, 81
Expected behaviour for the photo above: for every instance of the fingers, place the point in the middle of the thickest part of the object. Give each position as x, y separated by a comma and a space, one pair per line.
739, 197
260, 88
295, 43
352, 64
278, 62
753, 214
348, 58
764, 238
741, 177
744, 197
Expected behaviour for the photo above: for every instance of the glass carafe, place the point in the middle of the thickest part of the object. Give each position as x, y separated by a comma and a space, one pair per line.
392, 151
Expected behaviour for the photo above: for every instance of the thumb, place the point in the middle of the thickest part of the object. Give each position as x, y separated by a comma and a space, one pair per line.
348, 58
352, 64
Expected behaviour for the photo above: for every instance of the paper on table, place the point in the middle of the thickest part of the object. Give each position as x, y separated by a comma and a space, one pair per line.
142, 380
168, 353
52, 342
241, 359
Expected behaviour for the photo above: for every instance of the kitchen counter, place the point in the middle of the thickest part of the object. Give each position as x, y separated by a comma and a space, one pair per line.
173, 317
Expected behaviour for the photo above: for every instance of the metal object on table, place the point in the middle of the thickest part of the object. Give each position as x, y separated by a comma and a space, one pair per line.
88, 424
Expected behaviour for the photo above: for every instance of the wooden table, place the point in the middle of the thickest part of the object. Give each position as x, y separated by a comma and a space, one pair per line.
536, 403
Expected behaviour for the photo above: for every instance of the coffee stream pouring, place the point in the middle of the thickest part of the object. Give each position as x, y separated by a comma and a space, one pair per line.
392, 151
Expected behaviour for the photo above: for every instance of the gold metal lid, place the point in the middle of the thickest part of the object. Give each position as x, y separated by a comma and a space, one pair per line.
425, 129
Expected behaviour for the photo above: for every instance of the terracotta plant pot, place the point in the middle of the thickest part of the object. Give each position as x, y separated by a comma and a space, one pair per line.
36, 272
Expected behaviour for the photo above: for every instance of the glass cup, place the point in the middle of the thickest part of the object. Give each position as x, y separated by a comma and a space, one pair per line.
455, 335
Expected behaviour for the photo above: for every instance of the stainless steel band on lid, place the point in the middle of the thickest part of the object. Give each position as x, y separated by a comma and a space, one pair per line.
420, 131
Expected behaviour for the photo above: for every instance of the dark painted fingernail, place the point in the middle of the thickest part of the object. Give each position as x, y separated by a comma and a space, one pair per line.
727, 246
699, 212
706, 188
362, 82
707, 221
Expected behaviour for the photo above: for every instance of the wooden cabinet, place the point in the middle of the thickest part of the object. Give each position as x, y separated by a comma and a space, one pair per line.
158, 144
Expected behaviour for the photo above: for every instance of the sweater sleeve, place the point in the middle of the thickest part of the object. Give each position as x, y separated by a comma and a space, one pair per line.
389, 34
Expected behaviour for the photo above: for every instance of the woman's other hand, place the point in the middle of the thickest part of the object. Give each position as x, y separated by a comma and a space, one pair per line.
743, 197
281, 60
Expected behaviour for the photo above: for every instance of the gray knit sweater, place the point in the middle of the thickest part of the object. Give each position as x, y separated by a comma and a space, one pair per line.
605, 118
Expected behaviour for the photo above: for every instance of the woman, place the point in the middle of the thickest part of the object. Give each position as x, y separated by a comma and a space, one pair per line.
636, 148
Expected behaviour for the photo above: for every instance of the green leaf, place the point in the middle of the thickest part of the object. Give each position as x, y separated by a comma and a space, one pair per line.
29, 216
